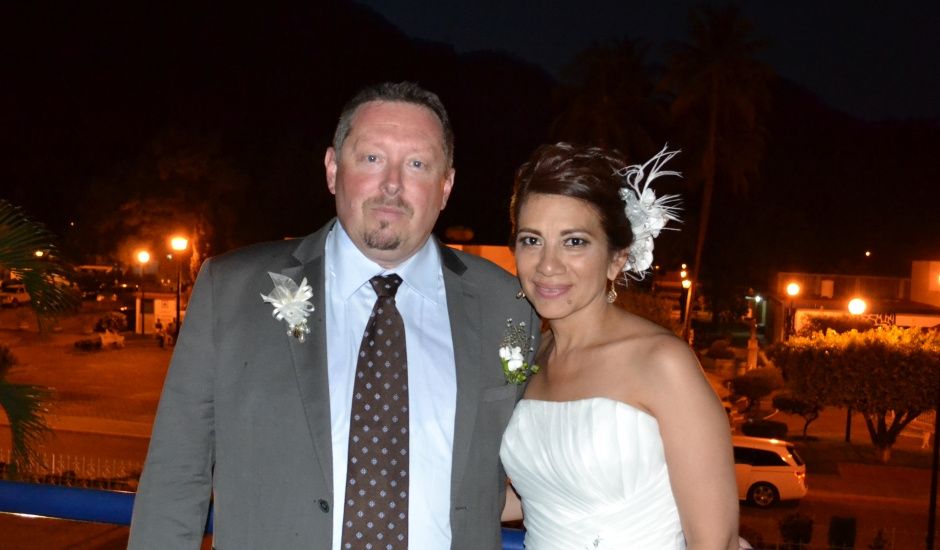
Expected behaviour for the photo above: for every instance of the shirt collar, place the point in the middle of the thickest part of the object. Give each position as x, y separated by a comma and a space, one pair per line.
350, 268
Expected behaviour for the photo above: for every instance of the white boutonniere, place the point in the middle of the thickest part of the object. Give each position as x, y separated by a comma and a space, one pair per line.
291, 304
516, 343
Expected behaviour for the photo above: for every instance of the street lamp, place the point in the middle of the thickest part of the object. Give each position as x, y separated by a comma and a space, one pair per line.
179, 244
143, 257
686, 309
857, 306
793, 290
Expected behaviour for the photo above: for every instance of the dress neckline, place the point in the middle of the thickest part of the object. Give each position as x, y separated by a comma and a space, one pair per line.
588, 399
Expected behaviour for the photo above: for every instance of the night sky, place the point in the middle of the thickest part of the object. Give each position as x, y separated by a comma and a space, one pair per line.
874, 60
119, 116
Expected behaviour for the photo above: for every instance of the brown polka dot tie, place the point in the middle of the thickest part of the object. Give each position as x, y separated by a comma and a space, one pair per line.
376, 507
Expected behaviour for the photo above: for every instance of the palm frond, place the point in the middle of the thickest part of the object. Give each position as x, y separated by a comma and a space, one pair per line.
24, 405
43, 275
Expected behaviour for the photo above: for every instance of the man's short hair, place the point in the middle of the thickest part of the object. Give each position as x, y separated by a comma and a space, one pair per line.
404, 92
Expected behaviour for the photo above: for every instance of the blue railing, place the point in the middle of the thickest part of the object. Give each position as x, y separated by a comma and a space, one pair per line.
100, 506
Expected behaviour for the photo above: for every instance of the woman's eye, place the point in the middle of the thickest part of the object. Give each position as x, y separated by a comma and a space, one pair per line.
576, 241
417, 164
372, 158
526, 240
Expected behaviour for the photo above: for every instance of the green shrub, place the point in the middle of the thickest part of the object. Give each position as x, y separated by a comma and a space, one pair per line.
796, 530
720, 349
837, 323
841, 533
89, 344
757, 384
794, 404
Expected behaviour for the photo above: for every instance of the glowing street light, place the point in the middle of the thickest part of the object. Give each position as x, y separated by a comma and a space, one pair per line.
793, 289
857, 306
789, 325
179, 244
143, 257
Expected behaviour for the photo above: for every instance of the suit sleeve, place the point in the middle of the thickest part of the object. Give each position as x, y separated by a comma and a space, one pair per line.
173, 496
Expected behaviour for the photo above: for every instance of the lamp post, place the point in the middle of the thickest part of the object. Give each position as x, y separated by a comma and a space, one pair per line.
793, 290
143, 257
857, 306
686, 284
686, 314
178, 244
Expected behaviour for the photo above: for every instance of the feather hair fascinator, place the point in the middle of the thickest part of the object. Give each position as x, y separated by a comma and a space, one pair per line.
648, 215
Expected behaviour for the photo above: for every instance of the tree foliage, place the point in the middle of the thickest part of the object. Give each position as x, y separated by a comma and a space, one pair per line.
838, 323
720, 92
20, 238
757, 384
45, 275
24, 407
608, 94
889, 375
650, 307
794, 404
182, 183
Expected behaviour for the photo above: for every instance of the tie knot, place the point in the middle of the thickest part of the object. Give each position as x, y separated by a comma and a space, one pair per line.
387, 285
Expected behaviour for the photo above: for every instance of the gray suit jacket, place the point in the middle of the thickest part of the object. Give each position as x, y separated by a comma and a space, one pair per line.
245, 412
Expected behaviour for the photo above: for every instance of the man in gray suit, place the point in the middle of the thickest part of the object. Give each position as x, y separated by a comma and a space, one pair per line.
258, 417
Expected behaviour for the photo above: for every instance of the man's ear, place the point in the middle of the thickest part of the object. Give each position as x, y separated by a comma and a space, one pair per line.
448, 187
329, 162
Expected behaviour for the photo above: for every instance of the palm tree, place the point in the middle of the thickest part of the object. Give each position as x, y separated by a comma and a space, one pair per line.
20, 239
607, 97
720, 90
24, 407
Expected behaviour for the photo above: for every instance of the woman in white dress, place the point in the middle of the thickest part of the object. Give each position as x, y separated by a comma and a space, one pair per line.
619, 441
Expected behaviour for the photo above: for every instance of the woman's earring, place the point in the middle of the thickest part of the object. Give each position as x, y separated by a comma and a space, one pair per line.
612, 293
520, 295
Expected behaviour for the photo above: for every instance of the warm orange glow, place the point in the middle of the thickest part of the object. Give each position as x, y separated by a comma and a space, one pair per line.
686, 283
868, 253
857, 306
179, 243
683, 274
39, 253
684, 266
143, 256
793, 289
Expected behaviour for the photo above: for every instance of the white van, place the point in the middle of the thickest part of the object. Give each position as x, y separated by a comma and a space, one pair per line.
768, 470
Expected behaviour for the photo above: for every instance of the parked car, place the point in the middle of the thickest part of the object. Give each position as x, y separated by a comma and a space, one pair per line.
125, 293
768, 470
14, 295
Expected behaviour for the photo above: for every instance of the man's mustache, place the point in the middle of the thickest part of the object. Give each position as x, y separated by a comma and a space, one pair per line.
390, 202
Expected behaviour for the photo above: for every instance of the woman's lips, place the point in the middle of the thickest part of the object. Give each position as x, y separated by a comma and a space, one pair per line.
551, 291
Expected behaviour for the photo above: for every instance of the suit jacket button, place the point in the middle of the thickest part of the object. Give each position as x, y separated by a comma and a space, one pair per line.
325, 506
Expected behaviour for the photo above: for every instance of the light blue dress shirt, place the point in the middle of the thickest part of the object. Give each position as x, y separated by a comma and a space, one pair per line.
432, 379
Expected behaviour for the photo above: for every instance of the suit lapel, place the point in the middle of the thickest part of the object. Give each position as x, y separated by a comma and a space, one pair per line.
309, 357
463, 309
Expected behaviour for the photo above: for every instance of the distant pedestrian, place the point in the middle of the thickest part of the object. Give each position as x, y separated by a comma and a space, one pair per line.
160, 334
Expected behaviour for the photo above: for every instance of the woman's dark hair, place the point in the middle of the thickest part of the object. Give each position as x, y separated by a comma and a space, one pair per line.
585, 173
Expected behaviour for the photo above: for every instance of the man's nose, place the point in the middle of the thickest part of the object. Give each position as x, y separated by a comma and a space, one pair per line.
392, 181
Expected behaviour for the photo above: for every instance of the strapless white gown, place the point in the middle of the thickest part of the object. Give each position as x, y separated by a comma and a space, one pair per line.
592, 475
